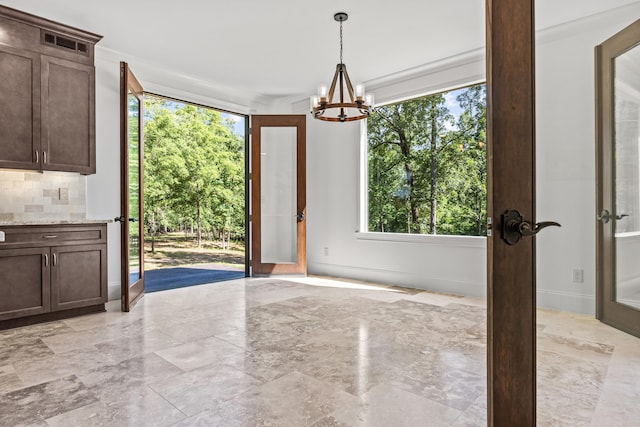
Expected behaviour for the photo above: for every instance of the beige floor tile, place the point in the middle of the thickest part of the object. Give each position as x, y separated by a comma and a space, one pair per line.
204, 388
199, 353
303, 351
388, 406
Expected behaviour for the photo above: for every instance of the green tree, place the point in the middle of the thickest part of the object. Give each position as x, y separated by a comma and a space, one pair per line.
427, 166
194, 165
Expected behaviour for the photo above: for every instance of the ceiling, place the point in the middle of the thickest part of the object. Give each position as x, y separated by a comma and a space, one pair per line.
285, 48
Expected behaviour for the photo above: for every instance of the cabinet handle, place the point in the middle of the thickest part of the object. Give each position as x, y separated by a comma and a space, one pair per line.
50, 236
46, 260
55, 260
44, 157
37, 156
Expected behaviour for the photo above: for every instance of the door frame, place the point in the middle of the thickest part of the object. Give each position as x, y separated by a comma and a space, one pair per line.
257, 123
130, 295
511, 281
247, 170
608, 310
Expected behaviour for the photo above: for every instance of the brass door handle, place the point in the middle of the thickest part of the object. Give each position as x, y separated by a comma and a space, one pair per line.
514, 227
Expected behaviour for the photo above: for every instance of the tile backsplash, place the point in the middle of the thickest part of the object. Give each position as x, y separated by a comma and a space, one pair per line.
42, 196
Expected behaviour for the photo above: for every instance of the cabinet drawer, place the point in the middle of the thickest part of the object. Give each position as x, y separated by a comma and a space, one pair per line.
37, 236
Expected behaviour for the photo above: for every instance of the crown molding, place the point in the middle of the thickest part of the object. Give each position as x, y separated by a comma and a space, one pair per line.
157, 79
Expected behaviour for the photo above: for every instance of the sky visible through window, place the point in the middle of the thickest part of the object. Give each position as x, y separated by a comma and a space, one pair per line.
238, 120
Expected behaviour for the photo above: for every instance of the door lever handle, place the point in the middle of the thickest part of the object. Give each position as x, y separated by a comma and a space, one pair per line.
526, 230
604, 216
514, 227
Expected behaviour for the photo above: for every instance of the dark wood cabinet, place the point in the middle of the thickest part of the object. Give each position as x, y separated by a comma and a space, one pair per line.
78, 276
47, 95
68, 140
24, 282
51, 272
20, 111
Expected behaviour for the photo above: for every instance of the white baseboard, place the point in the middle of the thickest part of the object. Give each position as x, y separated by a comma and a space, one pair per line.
555, 300
566, 301
113, 291
398, 278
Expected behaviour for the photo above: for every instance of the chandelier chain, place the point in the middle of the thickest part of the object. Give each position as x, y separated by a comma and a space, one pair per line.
341, 42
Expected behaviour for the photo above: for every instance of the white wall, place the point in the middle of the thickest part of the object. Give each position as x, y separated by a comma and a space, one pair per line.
442, 263
103, 188
565, 180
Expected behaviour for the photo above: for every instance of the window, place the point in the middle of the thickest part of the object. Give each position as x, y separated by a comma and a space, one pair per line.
427, 164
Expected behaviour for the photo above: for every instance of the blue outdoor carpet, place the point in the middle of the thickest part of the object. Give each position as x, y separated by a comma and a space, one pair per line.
182, 277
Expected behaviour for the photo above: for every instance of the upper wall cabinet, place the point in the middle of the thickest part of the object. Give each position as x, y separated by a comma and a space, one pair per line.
47, 95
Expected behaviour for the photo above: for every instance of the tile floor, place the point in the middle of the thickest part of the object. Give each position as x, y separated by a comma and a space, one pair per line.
302, 352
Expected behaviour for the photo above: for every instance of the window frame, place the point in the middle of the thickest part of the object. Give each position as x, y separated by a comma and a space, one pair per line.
362, 231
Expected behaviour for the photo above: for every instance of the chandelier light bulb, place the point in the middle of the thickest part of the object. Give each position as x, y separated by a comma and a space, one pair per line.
369, 100
322, 93
313, 101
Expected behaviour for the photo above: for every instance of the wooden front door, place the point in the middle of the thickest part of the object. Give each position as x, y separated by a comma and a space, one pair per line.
131, 212
278, 194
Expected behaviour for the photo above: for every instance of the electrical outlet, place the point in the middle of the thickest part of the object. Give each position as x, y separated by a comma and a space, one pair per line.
578, 275
63, 194
1, 236
325, 250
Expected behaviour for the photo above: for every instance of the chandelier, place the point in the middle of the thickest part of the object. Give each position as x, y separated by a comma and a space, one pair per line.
332, 107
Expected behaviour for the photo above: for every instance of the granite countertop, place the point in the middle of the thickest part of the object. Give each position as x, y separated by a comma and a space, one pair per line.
56, 222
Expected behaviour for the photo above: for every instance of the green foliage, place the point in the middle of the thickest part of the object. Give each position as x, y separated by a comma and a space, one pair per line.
194, 170
427, 166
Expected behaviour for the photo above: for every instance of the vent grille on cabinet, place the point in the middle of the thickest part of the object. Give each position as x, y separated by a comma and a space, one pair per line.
66, 43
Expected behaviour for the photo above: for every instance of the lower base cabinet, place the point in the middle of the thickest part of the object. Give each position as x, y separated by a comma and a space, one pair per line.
24, 282
50, 272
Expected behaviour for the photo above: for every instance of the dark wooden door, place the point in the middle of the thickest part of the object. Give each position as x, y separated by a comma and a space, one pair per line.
131, 179
278, 194
24, 282
68, 116
618, 204
511, 299
78, 276
20, 112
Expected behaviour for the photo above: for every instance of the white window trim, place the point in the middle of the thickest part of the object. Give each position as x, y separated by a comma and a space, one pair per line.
431, 239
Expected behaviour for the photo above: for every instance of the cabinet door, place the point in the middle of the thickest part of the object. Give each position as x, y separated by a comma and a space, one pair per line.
20, 112
24, 282
68, 116
78, 276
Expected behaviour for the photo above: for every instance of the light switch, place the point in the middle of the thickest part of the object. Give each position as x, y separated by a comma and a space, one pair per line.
1, 236
63, 194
